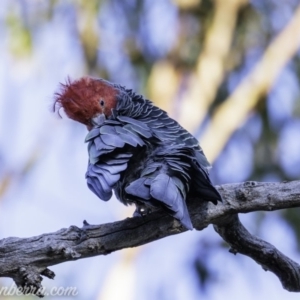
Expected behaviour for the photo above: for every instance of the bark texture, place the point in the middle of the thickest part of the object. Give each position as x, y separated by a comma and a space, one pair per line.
26, 260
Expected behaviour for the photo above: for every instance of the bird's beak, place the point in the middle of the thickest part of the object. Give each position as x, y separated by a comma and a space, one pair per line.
98, 120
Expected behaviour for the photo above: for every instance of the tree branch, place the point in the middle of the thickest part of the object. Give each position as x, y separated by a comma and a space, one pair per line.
265, 254
26, 259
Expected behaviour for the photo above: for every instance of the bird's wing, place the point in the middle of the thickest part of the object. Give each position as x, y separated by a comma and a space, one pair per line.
110, 147
164, 181
168, 130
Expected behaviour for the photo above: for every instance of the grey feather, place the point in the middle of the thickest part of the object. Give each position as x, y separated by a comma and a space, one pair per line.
108, 129
180, 186
120, 130
100, 145
132, 139
122, 155
110, 179
133, 135
137, 129
93, 153
148, 181
111, 122
148, 171
112, 140
95, 186
92, 134
138, 188
113, 169
114, 161
133, 121
164, 189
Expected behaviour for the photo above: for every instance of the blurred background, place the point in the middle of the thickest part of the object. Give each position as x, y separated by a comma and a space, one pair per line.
227, 70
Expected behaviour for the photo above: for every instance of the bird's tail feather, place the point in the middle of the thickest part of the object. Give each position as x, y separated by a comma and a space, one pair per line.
204, 188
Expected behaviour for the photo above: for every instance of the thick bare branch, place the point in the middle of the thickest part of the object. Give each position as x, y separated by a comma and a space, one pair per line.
265, 254
26, 259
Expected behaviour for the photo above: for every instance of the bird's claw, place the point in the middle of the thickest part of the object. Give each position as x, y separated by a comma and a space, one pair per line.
141, 211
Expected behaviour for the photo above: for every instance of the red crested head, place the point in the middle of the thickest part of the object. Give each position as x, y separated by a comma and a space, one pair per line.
86, 98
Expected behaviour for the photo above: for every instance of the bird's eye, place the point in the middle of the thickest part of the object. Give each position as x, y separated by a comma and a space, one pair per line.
101, 102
